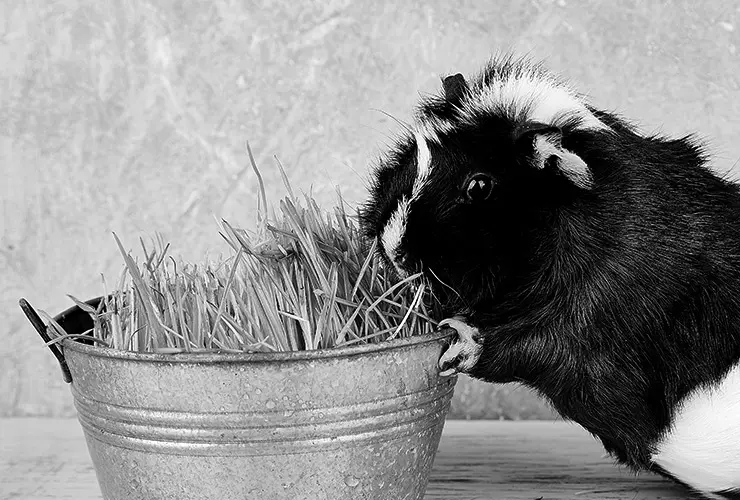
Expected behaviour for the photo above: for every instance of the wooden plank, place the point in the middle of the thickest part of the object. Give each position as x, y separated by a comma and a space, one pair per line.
47, 459
552, 460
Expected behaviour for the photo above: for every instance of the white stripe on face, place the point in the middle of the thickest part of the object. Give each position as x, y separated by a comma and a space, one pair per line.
423, 164
393, 232
395, 228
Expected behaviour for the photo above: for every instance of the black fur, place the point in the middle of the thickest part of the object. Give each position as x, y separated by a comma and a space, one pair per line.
613, 302
733, 494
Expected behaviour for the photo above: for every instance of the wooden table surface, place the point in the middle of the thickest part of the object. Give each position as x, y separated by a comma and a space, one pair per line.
477, 460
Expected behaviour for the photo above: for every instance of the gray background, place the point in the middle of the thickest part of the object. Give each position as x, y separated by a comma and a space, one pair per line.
131, 116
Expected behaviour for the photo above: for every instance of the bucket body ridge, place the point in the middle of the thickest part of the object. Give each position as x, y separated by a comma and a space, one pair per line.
355, 423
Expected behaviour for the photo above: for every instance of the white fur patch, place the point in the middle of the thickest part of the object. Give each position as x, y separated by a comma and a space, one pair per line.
531, 96
702, 448
394, 230
523, 93
396, 226
569, 163
423, 165
543, 149
430, 127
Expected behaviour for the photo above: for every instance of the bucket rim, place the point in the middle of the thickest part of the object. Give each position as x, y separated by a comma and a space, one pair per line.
248, 357
255, 357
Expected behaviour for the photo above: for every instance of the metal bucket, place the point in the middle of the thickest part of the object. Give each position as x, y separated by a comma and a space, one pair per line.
349, 423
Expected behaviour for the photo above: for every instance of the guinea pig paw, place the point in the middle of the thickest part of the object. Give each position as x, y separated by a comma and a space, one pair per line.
462, 355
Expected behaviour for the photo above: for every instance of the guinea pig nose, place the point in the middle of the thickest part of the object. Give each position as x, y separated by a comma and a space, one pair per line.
409, 264
402, 259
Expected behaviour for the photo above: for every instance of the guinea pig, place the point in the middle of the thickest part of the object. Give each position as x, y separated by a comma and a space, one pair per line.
574, 254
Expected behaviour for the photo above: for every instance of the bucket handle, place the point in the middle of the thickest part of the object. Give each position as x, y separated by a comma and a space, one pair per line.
41, 328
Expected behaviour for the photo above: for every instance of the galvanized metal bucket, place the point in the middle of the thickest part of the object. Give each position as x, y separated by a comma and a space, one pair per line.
349, 423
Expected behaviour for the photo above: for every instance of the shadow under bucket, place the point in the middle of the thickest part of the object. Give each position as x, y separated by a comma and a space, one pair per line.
349, 423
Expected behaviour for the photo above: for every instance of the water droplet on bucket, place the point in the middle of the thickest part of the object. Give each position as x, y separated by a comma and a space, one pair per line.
270, 404
351, 481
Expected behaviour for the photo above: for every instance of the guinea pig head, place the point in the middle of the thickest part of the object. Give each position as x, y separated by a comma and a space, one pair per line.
465, 194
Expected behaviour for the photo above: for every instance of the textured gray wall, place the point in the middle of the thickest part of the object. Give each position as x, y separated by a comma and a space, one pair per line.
131, 116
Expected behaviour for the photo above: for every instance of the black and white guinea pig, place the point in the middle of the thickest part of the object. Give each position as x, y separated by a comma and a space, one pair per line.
576, 255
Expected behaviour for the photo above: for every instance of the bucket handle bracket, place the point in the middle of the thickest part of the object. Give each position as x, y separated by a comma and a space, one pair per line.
42, 330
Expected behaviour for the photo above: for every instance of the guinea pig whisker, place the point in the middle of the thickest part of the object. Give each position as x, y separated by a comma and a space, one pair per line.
402, 123
446, 285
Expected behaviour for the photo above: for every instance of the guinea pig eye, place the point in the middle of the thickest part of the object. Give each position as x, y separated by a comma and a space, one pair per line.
479, 188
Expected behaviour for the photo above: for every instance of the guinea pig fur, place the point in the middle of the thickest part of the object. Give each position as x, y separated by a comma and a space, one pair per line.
578, 256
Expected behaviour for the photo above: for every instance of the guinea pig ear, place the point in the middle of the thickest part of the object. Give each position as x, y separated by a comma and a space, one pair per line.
541, 146
454, 87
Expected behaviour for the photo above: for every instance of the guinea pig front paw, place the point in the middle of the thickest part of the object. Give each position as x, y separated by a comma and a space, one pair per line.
462, 355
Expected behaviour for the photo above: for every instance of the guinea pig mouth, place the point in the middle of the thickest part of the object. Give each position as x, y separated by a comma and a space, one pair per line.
404, 268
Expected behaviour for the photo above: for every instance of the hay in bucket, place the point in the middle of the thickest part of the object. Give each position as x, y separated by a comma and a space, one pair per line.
304, 279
